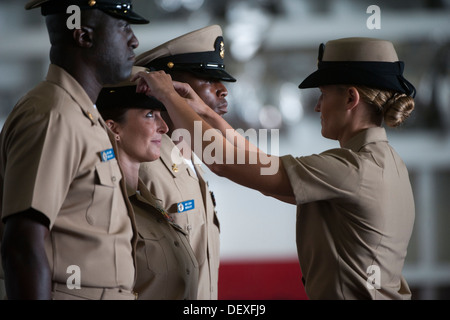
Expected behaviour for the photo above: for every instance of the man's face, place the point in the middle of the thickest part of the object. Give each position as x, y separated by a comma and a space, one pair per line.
212, 91
114, 45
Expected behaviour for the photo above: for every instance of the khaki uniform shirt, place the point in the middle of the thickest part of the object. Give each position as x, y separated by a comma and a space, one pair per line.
55, 157
174, 183
355, 214
166, 265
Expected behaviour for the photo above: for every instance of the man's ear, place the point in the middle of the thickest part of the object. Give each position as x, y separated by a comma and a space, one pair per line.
84, 36
352, 97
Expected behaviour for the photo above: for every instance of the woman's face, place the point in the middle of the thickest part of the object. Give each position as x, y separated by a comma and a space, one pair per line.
332, 108
140, 134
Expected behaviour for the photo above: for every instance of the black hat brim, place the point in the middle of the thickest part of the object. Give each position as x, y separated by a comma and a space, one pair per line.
130, 16
48, 8
126, 98
218, 74
381, 75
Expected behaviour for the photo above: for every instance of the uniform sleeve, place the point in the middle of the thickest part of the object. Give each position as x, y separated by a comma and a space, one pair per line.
39, 152
330, 175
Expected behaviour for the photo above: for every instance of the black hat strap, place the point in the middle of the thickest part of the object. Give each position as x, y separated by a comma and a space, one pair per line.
188, 61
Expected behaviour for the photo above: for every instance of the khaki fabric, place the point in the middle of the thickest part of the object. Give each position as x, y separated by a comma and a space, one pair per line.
166, 265
174, 182
63, 292
355, 209
51, 161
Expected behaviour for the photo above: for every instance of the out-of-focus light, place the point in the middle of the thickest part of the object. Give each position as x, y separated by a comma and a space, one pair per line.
192, 5
248, 25
270, 117
244, 50
290, 104
175, 5
169, 5
246, 101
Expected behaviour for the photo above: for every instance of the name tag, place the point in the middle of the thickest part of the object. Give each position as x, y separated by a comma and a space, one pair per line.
185, 206
107, 155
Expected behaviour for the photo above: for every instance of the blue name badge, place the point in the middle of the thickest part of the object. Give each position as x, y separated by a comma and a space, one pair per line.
186, 206
107, 155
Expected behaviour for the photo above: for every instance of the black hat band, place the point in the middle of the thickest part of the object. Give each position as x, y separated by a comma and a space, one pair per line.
122, 9
189, 60
385, 75
195, 63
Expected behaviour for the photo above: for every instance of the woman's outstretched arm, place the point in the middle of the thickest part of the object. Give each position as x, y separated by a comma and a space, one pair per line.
259, 171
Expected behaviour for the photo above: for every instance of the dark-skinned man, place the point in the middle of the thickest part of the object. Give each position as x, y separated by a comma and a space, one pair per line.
68, 232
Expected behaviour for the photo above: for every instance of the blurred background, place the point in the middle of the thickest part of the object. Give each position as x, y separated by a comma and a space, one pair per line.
271, 47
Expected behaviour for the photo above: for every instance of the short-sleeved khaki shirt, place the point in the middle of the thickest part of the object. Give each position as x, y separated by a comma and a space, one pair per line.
175, 183
355, 214
56, 158
166, 265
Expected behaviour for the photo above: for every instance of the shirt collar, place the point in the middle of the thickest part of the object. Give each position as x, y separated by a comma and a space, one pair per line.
130, 191
365, 137
144, 194
63, 79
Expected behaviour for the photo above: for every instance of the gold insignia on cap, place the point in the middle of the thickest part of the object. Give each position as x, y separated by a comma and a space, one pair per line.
90, 116
222, 49
170, 65
92, 3
174, 168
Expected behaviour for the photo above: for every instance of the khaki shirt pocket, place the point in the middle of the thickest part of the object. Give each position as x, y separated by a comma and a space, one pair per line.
155, 254
107, 180
194, 224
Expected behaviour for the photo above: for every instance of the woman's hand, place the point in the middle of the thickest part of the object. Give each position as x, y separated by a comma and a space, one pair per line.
160, 84
192, 98
156, 83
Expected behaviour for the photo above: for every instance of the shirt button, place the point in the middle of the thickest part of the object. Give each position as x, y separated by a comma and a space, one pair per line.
113, 179
188, 271
188, 227
176, 243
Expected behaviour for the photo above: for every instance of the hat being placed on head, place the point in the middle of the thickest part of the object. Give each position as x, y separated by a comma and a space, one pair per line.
122, 9
359, 61
124, 96
200, 52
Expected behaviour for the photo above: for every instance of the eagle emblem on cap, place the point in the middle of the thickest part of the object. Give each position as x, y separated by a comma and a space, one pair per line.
222, 49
